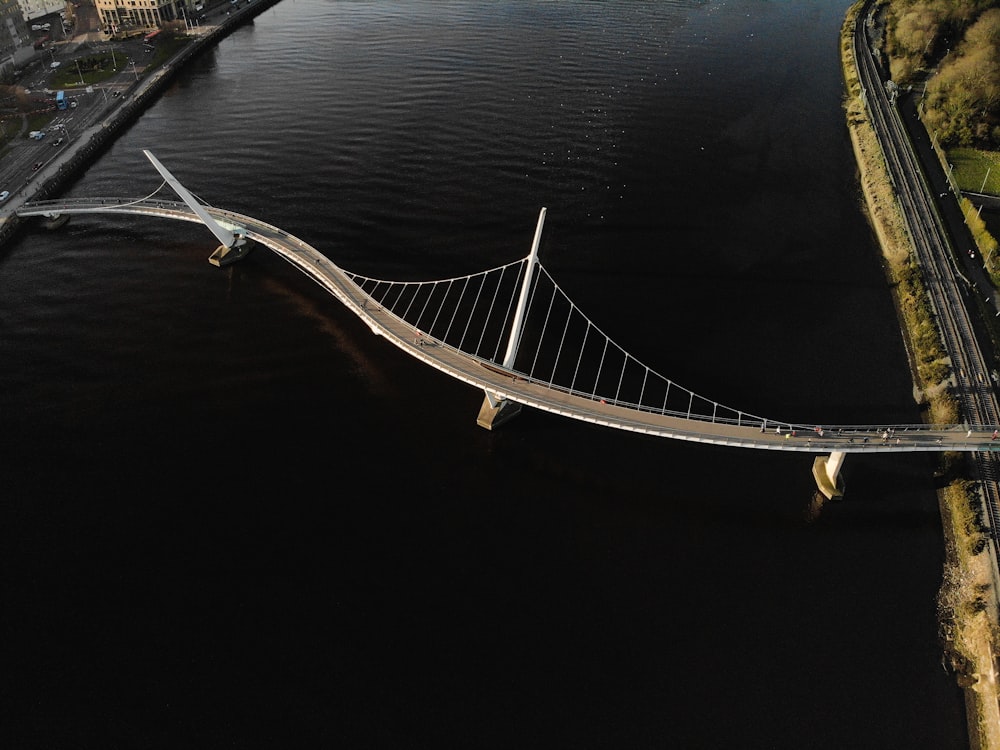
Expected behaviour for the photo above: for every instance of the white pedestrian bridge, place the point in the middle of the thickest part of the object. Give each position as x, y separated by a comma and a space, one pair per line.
511, 332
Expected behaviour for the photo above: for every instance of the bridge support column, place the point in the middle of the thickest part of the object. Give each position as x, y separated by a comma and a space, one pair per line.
55, 221
826, 472
495, 411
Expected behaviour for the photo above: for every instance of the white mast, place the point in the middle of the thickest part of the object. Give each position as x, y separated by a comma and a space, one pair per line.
522, 302
234, 243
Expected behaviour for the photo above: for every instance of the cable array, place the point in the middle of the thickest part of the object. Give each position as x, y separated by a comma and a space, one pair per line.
560, 347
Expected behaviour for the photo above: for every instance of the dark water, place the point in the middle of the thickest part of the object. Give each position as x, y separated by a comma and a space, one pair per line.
233, 517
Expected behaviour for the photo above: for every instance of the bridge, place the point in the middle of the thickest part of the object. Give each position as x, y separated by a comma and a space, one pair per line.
511, 332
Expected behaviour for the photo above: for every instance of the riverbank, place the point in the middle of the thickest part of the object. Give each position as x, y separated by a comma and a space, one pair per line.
967, 601
92, 142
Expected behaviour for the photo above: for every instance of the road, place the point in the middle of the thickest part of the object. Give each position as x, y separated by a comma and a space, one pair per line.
94, 104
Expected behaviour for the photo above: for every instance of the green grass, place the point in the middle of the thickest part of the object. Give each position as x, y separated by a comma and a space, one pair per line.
972, 166
978, 171
68, 75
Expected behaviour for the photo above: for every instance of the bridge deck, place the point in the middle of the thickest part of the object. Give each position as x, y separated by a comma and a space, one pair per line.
505, 384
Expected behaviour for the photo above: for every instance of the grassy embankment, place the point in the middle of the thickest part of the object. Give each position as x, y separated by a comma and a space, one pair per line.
967, 609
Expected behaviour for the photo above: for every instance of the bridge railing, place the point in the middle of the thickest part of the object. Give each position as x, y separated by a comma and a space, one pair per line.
101, 204
419, 302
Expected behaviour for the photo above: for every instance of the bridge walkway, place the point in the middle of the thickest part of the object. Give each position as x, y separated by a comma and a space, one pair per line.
506, 384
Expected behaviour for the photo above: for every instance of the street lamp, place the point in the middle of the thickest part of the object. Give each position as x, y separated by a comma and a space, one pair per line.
79, 71
983, 187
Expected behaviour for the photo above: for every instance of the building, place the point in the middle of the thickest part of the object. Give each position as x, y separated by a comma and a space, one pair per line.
120, 17
15, 39
33, 9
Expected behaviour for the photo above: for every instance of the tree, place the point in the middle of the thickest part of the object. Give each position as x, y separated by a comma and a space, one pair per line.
963, 37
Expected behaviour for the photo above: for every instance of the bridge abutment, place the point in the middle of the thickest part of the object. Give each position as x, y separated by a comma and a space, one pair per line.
826, 472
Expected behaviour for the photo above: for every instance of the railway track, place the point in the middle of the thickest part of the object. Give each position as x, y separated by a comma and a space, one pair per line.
947, 287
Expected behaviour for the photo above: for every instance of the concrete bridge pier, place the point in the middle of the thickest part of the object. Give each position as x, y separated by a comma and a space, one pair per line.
55, 221
495, 411
826, 472
227, 254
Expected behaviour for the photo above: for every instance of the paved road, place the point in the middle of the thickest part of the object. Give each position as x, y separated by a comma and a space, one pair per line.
94, 105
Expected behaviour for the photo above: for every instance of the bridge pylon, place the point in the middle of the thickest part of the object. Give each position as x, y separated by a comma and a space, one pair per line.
235, 245
497, 409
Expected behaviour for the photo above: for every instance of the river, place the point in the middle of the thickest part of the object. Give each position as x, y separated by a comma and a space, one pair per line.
233, 516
